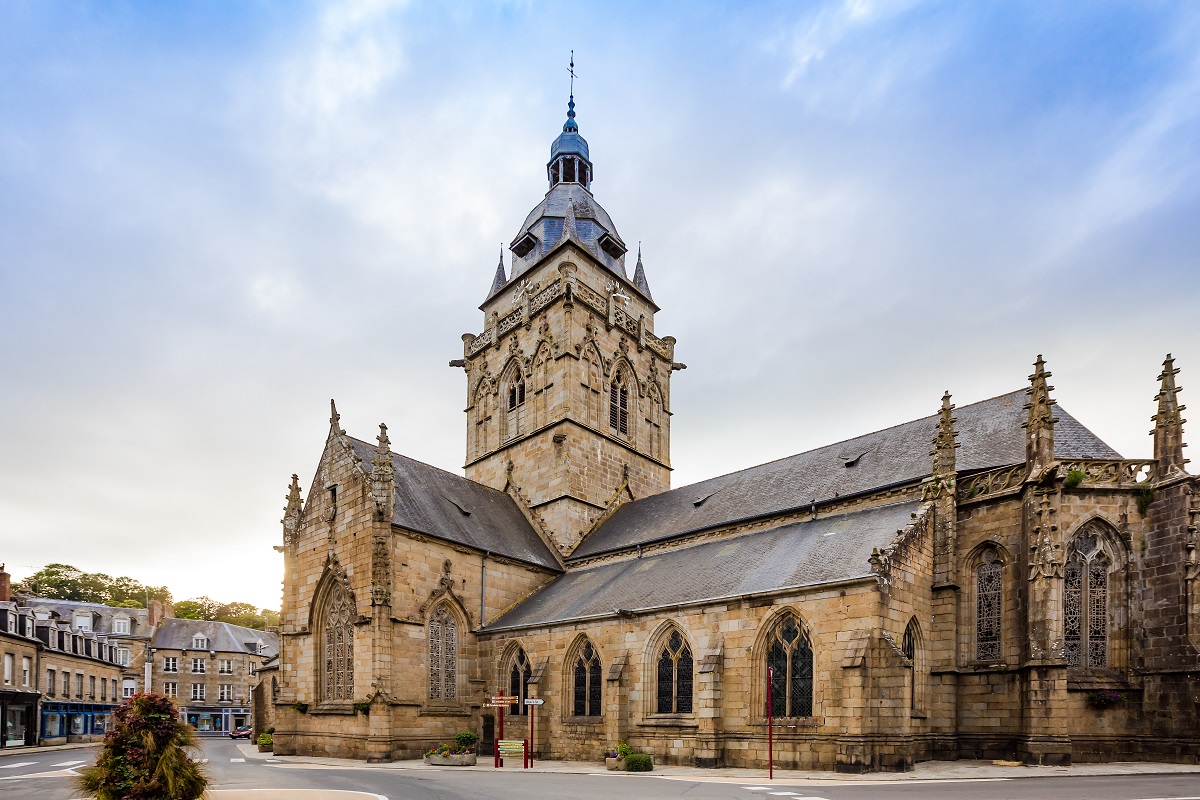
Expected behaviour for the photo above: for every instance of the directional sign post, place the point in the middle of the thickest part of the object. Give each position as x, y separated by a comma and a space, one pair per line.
501, 702
532, 703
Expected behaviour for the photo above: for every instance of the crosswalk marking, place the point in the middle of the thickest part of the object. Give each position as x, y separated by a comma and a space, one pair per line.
237, 761
202, 761
68, 763
18, 764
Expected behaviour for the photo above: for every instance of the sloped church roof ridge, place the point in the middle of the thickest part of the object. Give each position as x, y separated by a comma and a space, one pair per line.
989, 431
438, 503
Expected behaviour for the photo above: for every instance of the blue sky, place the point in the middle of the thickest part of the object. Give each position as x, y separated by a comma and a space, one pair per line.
216, 216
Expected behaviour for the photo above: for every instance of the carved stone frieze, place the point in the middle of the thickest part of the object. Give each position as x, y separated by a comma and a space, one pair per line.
991, 483
1111, 472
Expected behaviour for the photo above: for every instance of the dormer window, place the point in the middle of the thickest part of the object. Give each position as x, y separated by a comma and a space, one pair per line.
83, 622
611, 245
199, 643
120, 625
524, 246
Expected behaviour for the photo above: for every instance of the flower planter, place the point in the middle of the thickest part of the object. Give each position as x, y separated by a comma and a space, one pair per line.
265, 748
614, 763
460, 760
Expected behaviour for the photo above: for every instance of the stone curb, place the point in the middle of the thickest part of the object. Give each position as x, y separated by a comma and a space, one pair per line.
28, 751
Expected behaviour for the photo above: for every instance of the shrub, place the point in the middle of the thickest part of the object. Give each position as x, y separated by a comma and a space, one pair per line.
271, 730
145, 756
1074, 478
638, 762
266, 739
301, 707
1145, 496
449, 750
363, 707
1104, 698
623, 750
466, 739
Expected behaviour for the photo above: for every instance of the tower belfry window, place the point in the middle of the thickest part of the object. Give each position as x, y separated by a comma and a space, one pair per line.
514, 420
618, 408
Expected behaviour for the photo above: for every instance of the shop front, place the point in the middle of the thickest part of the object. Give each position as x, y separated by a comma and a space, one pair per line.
215, 721
18, 716
75, 722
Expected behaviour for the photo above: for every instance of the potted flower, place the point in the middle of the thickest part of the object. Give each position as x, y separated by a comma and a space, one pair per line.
266, 742
614, 758
459, 754
1103, 699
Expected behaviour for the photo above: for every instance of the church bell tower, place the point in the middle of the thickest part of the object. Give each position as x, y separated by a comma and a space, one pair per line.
568, 387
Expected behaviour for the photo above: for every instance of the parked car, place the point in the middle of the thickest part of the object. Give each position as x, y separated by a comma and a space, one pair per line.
240, 733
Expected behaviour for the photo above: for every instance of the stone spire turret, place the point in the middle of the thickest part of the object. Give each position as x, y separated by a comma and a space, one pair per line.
1039, 427
639, 275
335, 420
500, 279
945, 441
292, 512
383, 478
1168, 423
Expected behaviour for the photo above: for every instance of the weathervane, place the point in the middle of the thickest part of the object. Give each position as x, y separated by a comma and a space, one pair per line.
571, 69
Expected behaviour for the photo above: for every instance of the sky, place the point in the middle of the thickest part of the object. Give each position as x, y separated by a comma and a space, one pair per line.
216, 216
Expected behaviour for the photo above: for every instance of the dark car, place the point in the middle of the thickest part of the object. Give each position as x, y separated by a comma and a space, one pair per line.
240, 733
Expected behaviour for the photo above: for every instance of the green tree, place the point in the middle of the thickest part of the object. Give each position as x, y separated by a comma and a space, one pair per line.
65, 582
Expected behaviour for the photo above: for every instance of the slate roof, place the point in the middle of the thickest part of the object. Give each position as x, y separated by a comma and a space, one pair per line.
799, 554
990, 433
224, 637
546, 222
102, 615
450, 507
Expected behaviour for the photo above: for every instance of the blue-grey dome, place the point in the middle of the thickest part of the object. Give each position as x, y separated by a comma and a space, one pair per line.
569, 143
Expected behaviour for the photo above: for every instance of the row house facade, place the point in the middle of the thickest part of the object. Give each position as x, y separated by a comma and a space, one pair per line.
61, 682
209, 669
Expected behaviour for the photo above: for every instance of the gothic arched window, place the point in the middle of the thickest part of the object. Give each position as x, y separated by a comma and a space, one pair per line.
618, 405
790, 655
1085, 603
443, 655
586, 680
913, 650
514, 405
518, 682
675, 676
989, 599
337, 643
482, 417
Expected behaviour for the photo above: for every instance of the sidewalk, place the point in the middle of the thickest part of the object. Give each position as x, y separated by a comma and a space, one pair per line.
925, 771
31, 750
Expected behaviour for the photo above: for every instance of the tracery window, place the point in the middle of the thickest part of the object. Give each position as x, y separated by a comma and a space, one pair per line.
912, 648
675, 676
989, 598
514, 418
518, 682
618, 405
337, 642
587, 682
790, 655
1085, 602
443, 655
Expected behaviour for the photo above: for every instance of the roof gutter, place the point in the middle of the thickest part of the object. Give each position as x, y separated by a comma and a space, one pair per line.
633, 612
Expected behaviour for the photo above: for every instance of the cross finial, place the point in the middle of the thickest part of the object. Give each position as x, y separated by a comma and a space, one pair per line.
571, 69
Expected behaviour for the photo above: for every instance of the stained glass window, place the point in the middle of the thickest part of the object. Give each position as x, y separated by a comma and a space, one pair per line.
1085, 604
988, 601
675, 676
443, 655
518, 682
337, 639
790, 656
587, 676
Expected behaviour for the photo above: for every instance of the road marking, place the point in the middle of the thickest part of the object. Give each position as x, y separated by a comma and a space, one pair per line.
18, 764
202, 761
237, 761
67, 764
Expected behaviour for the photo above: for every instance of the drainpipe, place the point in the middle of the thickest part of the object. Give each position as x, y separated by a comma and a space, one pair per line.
483, 587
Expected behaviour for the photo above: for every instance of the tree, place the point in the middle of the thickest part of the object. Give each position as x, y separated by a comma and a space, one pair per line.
145, 755
65, 582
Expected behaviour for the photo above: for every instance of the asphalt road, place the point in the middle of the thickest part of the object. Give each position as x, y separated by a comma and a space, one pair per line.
47, 776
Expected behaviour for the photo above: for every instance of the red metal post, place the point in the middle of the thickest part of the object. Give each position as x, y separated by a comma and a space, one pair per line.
770, 724
500, 760
525, 756
532, 714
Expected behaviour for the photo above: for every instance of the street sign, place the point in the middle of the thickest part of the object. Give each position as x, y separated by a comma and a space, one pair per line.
496, 705
534, 701
503, 699
512, 747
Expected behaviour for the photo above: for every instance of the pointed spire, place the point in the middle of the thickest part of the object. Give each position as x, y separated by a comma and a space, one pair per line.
568, 231
945, 442
1039, 427
335, 419
500, 279
1168, 423
383, 477
639, 276
292, 512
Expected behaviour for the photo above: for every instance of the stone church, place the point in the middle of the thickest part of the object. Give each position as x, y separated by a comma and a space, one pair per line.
991, 581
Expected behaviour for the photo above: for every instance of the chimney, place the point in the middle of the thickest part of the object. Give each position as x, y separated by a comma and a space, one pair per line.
154, 613
5, 585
